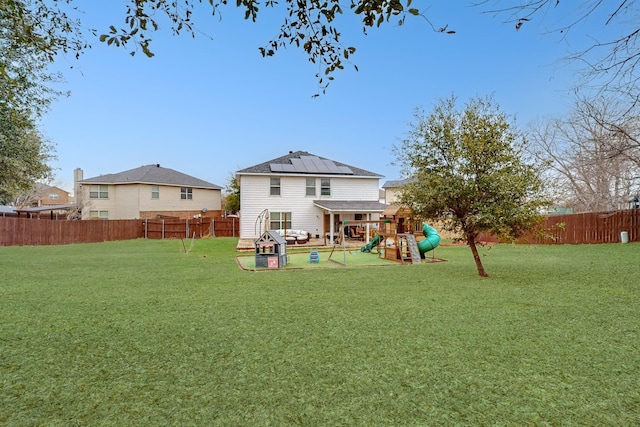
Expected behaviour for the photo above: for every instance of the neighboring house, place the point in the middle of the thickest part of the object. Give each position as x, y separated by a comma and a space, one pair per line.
146, 192
47, 195
44, 201
392, 190
302, 191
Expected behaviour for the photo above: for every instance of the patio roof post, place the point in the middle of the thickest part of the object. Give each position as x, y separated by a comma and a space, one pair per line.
368, 228
331, 227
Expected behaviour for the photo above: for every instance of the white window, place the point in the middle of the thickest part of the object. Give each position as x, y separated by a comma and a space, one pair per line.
99, 214
53, 196
275, 187
279, 220
99, 192
325, 186
155, 191
311, 187
186, 193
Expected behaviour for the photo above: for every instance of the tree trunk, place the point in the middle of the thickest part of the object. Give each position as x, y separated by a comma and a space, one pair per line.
471, 241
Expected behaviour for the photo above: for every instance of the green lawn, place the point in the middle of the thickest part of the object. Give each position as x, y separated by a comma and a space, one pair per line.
141, 333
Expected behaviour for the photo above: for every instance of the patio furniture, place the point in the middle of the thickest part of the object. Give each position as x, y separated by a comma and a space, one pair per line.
291, 240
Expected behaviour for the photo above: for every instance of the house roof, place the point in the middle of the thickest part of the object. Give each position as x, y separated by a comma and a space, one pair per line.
152, 174
301, 162
41, 187
274, 236
395, 183
4, 209
356, 206
47, 208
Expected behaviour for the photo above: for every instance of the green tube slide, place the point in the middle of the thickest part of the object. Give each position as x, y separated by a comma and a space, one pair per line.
372, 244
431, 241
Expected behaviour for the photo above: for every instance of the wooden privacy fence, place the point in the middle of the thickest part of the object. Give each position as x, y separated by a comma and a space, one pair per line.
173, 228
35, 232
591, 227
598, 227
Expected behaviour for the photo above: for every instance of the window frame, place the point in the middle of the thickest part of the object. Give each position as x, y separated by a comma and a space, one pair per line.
325, 186
310, 187
275, 186
186, 193
277, 222
155, 192
102, 214
99, 191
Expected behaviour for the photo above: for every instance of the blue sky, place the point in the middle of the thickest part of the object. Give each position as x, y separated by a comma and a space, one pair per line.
212, 105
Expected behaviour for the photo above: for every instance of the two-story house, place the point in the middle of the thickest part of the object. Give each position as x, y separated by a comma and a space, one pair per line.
304, 191
48, 195
145, 192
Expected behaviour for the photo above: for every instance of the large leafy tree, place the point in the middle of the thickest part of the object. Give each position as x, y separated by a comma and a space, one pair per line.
24, 155
27, 47
32, 34
468, 167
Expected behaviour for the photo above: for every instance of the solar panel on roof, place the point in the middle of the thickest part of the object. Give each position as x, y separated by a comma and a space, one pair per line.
307, 161
332, 166
299, 165
310, 164
319, 165
281, 167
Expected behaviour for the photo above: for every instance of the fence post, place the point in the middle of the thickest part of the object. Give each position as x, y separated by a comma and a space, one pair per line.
146, 226
162, 228
213, 230
186, 228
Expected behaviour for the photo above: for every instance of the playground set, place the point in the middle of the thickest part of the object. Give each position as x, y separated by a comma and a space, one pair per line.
389, 243
386, 236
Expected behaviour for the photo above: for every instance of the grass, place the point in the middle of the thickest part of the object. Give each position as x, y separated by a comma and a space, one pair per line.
140, 333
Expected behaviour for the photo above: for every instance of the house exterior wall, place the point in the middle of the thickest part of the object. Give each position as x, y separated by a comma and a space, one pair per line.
53, 196
255, 198
169, 199
392, 195
126, 201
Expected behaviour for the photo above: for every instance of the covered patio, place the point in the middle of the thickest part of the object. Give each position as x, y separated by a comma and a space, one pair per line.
358, 212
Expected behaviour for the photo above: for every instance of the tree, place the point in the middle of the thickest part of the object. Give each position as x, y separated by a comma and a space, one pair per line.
592, 156
232, 196
26, 95
611, 61
24, 154
31, 36
468, 168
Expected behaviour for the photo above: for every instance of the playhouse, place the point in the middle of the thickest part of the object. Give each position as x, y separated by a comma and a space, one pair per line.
271, 250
